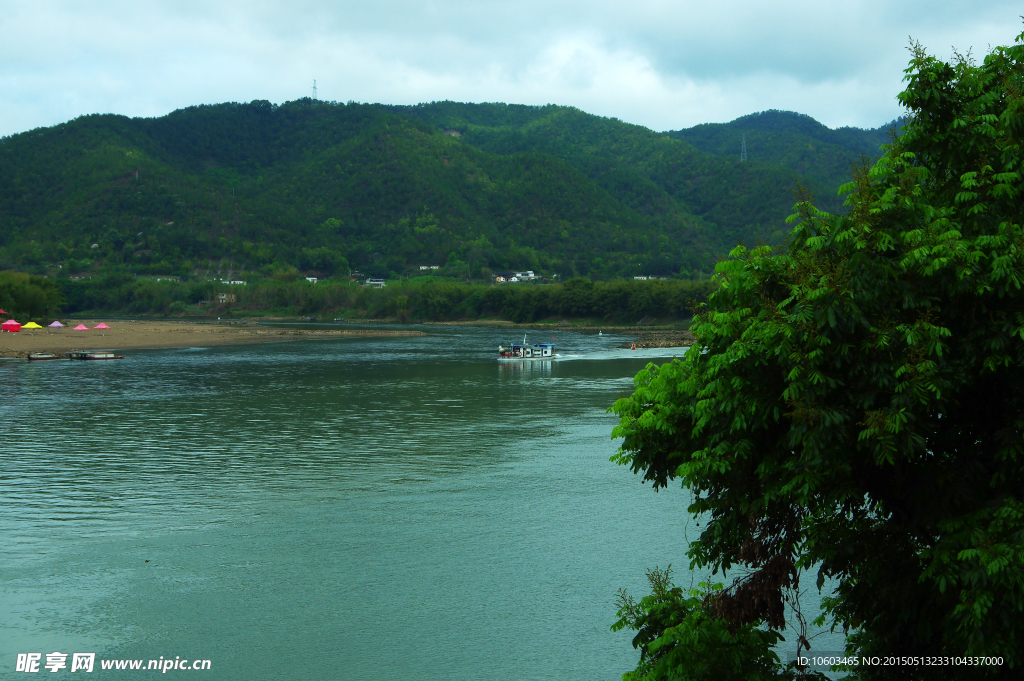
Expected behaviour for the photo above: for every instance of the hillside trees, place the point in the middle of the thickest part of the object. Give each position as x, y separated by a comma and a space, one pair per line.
854, 404
253, 184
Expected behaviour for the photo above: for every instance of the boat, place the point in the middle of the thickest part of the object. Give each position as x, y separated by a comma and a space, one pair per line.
39, 356
95, 355
520, 351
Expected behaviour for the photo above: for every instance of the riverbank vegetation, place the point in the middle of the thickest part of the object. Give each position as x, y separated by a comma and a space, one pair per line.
25, 296
855, 416
417, 300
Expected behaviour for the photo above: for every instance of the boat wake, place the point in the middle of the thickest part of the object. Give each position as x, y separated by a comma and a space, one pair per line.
625, 353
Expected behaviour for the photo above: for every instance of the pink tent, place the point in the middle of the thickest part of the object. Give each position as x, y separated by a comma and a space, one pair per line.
81, 327
11, 326
101, 325
56, 325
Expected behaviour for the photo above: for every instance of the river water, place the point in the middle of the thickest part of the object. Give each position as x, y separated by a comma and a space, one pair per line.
336, 509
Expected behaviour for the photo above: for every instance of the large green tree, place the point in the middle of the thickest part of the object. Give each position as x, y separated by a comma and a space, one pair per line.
854, 404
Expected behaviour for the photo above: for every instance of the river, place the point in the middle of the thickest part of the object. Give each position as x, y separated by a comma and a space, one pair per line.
338, 509
353, 509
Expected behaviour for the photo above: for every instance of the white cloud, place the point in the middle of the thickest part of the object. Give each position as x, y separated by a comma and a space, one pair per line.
661, 64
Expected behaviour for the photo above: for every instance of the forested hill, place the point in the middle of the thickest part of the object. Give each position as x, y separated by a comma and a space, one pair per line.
323, 187
649, 171
791, 140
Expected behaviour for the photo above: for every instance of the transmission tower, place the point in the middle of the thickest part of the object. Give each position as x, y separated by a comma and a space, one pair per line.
743, 149
314, 88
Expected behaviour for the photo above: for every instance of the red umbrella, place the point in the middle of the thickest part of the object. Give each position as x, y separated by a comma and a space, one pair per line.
81, 327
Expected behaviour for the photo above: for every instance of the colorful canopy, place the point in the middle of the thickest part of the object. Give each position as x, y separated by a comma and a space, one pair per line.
56, 325
31, 325
101, 325
11, 325
81, 327
3, 311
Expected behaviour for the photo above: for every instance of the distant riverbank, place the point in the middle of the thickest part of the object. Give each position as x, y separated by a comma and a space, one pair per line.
663, 338
138, 335
642, 336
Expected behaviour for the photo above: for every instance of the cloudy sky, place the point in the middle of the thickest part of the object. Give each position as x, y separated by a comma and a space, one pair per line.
662, 64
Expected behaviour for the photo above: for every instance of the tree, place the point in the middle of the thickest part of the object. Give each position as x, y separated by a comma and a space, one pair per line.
680, 638
31, 297
854, 404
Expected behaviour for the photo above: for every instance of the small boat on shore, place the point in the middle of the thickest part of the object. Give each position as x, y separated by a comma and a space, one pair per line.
95, 355
40, 356
519, 351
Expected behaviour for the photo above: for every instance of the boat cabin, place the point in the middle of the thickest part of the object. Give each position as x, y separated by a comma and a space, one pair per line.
524, 351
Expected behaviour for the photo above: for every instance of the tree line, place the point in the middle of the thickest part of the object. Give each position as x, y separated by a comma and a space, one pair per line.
613, 301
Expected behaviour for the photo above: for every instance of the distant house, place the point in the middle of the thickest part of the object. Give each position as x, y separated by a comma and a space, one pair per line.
226, 298
311, 280
524, 276
499, 279
375, 283
453, 133
641, 278
429, 267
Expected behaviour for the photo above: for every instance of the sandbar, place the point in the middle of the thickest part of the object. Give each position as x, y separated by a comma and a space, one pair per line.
139, 335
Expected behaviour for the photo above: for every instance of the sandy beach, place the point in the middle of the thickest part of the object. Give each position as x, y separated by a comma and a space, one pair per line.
138, 335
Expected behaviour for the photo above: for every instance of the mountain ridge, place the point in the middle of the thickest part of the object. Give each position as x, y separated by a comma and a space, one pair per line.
323, 187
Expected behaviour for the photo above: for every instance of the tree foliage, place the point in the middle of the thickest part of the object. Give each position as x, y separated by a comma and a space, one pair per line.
854, 403
27, 297
680, 638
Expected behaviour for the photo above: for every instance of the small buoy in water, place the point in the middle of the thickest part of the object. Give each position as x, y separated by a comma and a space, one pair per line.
599, 333
634, 347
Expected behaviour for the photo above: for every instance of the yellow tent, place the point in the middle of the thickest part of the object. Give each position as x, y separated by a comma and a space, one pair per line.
31, 325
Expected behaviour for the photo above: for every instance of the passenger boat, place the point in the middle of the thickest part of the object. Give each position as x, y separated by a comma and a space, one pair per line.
39, 356
518, 351
95, 355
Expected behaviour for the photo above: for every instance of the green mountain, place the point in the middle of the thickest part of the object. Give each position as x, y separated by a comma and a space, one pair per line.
251, 189
821, 155
651, 172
